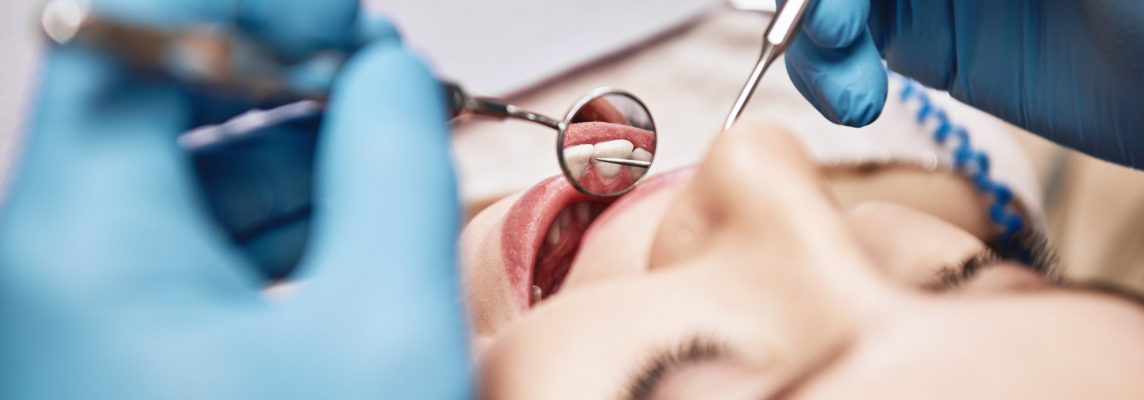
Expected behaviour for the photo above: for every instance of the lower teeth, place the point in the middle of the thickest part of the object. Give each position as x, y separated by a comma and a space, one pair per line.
537, 294
560, 246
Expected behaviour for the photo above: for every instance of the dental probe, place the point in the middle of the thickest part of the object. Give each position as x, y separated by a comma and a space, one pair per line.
624, 161
776, 39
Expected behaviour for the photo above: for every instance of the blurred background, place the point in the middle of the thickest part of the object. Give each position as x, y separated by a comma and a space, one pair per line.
1095, 210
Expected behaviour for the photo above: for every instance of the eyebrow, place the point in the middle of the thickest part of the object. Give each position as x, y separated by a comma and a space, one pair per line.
695, 349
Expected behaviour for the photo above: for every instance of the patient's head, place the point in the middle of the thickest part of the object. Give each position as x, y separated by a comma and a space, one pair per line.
747, 277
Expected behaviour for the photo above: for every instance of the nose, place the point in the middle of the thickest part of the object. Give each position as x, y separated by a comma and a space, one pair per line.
758, 208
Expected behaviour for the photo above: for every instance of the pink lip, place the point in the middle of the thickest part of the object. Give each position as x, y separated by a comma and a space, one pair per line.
650, 186
524, 228
593, 132
528, 220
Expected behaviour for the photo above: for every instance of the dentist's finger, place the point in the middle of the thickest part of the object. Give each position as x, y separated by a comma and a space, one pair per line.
386, 220
101, 174
386, 212
848, 85
834, 24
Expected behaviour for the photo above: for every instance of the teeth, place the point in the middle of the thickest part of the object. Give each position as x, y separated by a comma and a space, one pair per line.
583, 213
562, 220
642, 155
553, 236
611, 149
576, 157
565, 217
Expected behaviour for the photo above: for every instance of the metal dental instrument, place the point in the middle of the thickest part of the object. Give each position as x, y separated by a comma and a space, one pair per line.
776, 39
629, 107
624, 161
222, 60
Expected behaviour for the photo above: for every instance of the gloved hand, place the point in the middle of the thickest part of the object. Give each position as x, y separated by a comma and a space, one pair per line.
259, 190
115, 283
1070, 71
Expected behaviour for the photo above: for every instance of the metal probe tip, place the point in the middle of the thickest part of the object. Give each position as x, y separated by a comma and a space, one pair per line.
624, 161
784, 25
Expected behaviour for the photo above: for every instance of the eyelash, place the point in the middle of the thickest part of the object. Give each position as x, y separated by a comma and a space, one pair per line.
695, 348
951, 278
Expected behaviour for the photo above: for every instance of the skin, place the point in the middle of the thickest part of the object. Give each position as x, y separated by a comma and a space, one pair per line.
810, 287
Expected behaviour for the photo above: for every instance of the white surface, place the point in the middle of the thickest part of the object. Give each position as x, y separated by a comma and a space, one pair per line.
501, 47
18, 44
754, 5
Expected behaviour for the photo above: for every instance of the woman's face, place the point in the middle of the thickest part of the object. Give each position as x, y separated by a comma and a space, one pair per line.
745, 278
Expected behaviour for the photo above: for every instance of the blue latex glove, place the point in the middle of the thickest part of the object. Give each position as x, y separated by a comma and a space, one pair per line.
1071, 71
115, 283
259, 190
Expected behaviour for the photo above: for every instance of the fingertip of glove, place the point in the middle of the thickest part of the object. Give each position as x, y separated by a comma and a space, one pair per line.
383, 67
833, 37
388, 89
834, 26
858, 108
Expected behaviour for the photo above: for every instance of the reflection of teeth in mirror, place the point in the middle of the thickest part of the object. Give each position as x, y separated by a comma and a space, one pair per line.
576, 157
641, 155
610, 149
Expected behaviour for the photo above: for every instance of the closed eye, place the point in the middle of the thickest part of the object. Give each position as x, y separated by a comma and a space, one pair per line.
1036, 255
694, 349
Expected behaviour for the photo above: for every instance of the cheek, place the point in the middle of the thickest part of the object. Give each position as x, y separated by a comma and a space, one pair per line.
619, 243
910, 246
488, 296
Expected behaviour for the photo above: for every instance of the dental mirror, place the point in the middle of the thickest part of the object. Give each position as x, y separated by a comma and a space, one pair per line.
606, 143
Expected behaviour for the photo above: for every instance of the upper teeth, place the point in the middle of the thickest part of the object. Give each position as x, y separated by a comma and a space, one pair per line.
562, 220
611, 149
577, 158
583, 213
553, 235
642, 155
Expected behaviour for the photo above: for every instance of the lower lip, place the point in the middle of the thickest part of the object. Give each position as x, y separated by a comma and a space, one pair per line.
528, 220
525, 226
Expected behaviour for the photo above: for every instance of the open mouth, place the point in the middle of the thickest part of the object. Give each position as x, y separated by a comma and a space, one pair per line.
543, 229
